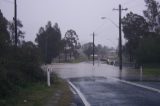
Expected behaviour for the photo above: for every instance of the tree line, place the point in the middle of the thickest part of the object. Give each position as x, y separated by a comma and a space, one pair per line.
143, 35
99, 50
49, 40
18, 65
21, 65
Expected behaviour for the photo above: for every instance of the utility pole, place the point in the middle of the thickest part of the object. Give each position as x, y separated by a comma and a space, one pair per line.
120, 34
46, 50
15, 20
93, 48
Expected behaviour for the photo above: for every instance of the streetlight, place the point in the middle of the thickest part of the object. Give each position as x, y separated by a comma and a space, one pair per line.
103, 18
120, 42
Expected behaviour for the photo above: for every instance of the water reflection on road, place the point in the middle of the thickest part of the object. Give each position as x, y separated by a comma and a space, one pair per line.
86, 69
101, 91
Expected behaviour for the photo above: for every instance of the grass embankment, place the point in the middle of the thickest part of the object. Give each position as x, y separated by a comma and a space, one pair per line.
40, 95
151, 69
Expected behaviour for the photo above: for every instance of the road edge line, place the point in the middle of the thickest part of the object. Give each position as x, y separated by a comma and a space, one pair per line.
86, 103
74, 92
138, 85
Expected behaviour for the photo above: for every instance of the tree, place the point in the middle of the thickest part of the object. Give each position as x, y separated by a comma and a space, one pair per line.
4, 44
20, 33
88, 49
152, 11
48, 40
4, 35
149, 50
71, 42
18, 67
135, 28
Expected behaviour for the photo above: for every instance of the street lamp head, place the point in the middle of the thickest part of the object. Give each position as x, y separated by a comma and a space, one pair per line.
103, 18
126, 9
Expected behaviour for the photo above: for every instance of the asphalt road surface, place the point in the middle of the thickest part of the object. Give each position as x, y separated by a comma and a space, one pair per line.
101, 91
99, 86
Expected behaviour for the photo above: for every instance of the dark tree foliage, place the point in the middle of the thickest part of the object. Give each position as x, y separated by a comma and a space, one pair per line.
149, 50
135, 28
100, 50
88, 49
4, 34
72, 42
4, 44
143, 41
20, 33
49, 39
18, 66
151, 13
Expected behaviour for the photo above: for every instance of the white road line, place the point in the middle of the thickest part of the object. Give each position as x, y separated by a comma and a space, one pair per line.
86, 103
138, 85
72, 90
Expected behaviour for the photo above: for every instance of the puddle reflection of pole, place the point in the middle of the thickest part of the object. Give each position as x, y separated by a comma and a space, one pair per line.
93, 56
93, 48
141, 73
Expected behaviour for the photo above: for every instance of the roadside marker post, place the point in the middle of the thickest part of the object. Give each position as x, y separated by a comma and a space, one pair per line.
48, 76
141, 73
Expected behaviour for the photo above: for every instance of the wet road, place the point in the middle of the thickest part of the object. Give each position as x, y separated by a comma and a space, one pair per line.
100, 89
85, 69
109, 92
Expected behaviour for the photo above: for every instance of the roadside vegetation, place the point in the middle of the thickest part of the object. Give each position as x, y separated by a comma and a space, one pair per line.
23, 82
143, 37
152, 72
39, 94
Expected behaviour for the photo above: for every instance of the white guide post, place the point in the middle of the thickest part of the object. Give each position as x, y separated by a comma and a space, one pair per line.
48, 77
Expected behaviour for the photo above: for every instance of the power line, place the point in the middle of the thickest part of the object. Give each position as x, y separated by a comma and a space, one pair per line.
99, 27
135, 6
8, 1
129, 2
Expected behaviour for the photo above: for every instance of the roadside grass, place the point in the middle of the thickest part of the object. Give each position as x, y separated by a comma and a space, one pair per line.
39, 94
151, 71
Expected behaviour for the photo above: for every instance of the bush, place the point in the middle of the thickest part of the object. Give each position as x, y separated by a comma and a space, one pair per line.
149, 50
19, 67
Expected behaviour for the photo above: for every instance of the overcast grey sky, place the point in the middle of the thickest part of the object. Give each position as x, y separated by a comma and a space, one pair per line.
84, 16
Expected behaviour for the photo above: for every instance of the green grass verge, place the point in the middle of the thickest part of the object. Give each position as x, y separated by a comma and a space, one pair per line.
38, 94
151, 71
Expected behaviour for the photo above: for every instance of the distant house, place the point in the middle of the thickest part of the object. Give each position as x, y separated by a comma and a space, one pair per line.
95, 56
112, 56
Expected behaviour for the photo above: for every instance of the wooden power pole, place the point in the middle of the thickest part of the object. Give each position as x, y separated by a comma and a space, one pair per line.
93, 48
120, 35
15, 21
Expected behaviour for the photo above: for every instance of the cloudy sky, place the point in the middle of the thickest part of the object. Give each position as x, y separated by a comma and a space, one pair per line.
84, 16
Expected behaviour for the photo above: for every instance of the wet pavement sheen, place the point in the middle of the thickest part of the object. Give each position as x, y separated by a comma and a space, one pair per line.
106, 92
100, 89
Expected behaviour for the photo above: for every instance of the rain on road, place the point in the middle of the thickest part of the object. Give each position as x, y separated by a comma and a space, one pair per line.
101, 89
